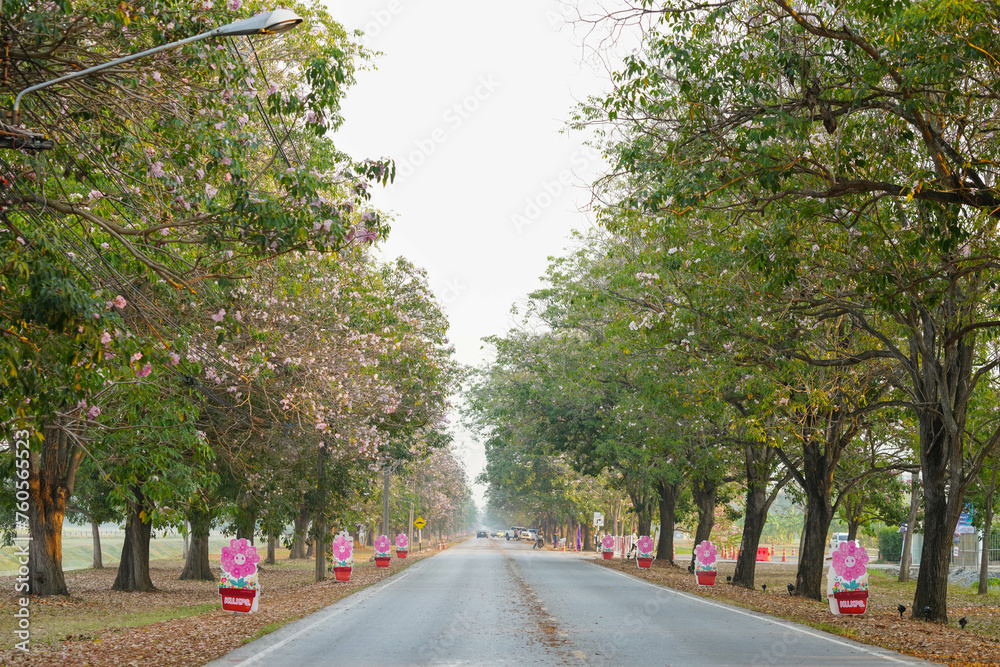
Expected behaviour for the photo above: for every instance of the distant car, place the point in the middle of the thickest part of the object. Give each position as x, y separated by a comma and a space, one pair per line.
482, 533
526, 535
499, 533
837, 539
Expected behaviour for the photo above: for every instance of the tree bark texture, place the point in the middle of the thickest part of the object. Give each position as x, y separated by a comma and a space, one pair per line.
52, 473
197, 566
95, 536
668, 509
906, 557
133, 570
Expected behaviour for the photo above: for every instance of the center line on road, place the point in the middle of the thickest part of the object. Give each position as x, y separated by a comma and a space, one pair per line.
695, 598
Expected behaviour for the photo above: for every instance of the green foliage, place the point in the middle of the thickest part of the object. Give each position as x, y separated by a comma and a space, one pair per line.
890, 544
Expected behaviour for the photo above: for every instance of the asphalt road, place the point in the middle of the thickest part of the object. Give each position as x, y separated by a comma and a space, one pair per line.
492, 602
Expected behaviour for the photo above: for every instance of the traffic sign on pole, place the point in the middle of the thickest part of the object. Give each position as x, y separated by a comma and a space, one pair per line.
598, 519
419, 523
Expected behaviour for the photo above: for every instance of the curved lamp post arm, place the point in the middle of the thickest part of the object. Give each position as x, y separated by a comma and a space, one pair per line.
265, 23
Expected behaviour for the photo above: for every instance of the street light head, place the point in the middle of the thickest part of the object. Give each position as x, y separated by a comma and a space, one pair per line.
265, 23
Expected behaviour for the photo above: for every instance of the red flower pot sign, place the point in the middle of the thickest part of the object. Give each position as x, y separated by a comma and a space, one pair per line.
705, 563
644, 552
238, 584
402, 545
608, 547
343, 557
847, 579
382, 548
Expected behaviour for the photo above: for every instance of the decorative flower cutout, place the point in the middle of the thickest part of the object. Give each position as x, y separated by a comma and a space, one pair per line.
343, 550
645, 544
608, 542
240, 558
850, 561
706, 553
402, 542
382, 544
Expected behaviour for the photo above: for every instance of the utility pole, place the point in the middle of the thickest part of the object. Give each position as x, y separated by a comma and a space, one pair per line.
409, 530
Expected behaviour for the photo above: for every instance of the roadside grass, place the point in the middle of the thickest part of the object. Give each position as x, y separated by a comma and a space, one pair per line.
881, 625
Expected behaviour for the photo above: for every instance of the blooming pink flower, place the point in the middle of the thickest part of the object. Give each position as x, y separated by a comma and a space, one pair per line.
219, 316
93, 412
144, 371
174, 358
105, 338
157, 170
608, 542
382, 544
402, 541
235, 4
120, 302
136, 357
645, 544
706, 552
850, 561
342, 548
240, 558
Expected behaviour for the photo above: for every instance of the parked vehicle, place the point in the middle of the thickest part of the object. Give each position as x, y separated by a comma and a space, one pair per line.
482, 533
836, 540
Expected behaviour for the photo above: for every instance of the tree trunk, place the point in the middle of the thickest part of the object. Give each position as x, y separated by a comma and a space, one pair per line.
133, 570
984, 563
668, 507
301, 523
320, 543
272, 543
588, 543
310, 548
852, 529
906, 557
704, 493
809, 580
197, 566
753, 525
940, 519
52, 472
95, 535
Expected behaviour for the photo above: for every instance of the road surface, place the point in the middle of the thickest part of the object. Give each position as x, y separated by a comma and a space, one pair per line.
493, 602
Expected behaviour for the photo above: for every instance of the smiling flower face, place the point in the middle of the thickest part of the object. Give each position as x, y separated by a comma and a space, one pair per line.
608, 543
645, 544
343, 550
706, 553
402, 542
240, 559
850, 561
382, 544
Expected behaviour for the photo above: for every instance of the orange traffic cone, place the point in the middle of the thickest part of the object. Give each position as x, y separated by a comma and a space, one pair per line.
784, 558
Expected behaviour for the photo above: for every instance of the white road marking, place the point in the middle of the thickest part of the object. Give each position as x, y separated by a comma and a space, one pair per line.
358, 598
803, 630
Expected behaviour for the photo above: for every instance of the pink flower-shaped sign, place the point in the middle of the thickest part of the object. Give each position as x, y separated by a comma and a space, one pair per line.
343, 550
706, 553
850, 561
402, 542
645, 544
382, 544
240, 558
608, 542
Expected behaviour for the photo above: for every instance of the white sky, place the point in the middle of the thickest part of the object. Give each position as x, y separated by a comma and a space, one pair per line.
469, 98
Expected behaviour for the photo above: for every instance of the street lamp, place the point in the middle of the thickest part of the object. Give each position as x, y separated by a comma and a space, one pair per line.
265, 23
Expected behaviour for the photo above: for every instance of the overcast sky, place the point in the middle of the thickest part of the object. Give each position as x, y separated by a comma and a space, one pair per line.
470, 99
